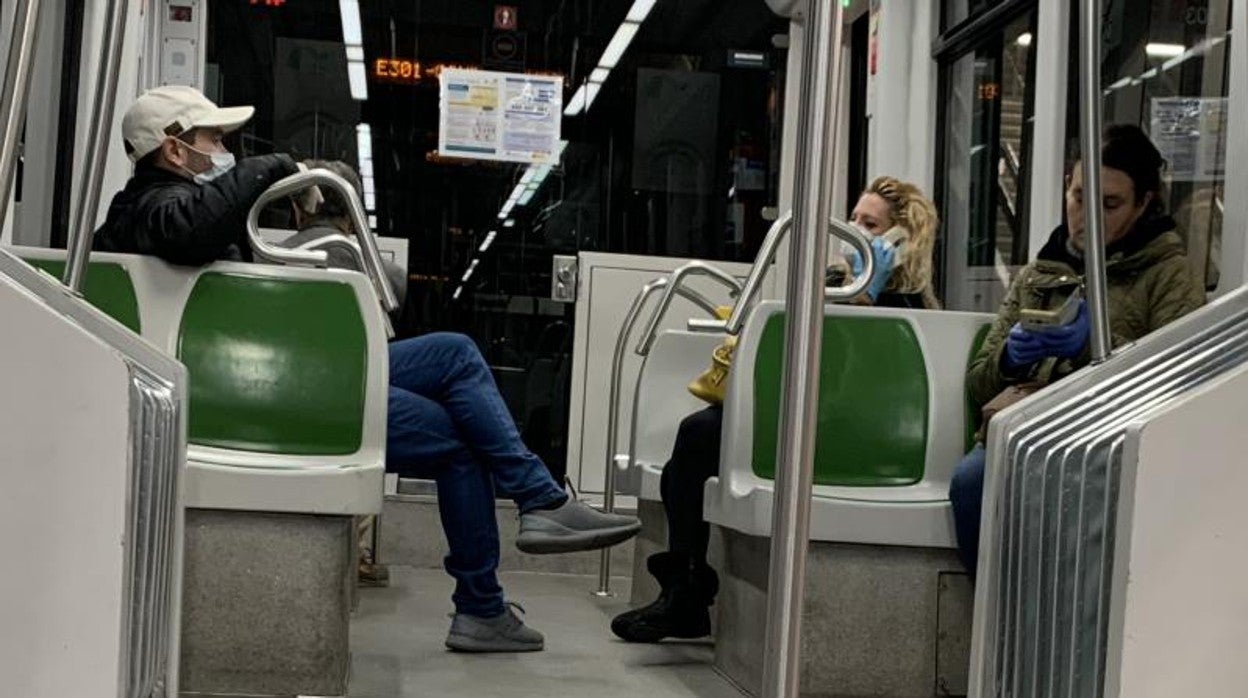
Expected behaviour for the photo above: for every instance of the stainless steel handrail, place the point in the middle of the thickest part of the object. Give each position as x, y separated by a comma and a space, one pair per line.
99, 124
817, 129
13, 95
613, 404
676, 282
1090, 143
767, 255
371, 261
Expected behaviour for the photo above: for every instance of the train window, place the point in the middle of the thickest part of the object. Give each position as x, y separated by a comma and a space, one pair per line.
1165, 68
677, 154
982, 184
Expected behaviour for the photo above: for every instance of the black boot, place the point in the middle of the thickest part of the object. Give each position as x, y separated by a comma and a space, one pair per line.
681, 611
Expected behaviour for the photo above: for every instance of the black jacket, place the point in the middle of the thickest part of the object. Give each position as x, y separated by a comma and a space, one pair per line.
164, 214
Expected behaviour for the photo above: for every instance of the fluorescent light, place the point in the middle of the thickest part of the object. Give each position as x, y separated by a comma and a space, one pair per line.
639, 10
352, 35
1164, 50
370, 201
458, 290
509, 223
369, 187
489, 240
372, 222
355, 53
528, 175
506, 209
591, 93
619, 44
540, 175
528, 196
600, 75
359, 80
576, 104
517, 192
1148, 74
1024, 39
366, 167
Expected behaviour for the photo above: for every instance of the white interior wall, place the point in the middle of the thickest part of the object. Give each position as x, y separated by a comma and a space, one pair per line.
1048, 123
1234, 260
33, 224
118, 169
901, 96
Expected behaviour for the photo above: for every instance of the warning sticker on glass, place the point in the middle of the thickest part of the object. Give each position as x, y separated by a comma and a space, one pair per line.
500, 116
1190, 132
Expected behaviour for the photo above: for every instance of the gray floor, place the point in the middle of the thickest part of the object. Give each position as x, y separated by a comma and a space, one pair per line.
397, 635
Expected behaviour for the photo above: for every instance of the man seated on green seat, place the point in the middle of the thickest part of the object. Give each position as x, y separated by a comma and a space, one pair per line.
188, 203
188, 200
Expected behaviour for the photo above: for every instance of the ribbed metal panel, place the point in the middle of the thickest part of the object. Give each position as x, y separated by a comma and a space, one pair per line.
152, 537
1056, 504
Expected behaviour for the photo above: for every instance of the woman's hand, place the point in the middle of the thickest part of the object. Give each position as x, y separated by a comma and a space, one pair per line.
885, 256
1024, 347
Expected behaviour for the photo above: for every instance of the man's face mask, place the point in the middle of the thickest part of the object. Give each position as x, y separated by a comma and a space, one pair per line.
221, 163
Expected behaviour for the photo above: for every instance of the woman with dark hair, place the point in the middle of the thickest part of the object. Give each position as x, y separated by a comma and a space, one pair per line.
1150, 285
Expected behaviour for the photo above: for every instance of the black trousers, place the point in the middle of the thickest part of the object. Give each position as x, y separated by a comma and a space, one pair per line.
695, 458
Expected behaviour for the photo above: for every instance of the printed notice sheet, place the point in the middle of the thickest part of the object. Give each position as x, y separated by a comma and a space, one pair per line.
1190, 132
511, 117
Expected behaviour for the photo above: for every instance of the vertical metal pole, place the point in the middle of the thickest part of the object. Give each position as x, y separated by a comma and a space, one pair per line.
13, 97
1090, 146
99, 125
822, 27
613, 420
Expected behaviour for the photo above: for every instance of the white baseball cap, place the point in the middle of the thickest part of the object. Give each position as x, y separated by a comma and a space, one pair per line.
171, 111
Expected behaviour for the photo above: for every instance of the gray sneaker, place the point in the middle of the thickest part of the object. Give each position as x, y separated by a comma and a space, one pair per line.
505, 633
571, 528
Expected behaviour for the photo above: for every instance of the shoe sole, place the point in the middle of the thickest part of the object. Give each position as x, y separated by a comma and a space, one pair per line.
475, 646
547, 543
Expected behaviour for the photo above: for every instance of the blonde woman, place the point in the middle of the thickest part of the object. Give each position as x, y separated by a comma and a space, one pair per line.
902, 224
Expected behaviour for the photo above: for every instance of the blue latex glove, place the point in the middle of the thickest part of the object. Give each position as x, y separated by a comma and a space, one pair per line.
1068, 341
1024, 347
885, 256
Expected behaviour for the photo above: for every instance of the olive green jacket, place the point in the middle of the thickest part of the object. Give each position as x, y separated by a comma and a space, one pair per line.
1150, 285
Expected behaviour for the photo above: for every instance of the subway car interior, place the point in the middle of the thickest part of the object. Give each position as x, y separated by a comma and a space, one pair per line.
385, 348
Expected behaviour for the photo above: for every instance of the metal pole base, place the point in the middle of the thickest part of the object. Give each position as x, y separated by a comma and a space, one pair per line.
603, 594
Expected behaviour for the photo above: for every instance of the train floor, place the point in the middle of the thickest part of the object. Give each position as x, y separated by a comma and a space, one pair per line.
397, 636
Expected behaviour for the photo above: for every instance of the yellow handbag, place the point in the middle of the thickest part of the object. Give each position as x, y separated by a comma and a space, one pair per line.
711, 384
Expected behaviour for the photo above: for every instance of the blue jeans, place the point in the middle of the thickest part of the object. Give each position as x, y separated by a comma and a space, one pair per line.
966, 494
448, 422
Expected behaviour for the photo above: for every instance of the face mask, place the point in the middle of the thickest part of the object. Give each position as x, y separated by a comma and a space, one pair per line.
221, 163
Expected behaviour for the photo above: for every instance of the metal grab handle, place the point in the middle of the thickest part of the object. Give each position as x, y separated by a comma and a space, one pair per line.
674, 285
767, 254
371, 257
862, 244
98, 141
704, 326
13, 93
613, 404
1090, 122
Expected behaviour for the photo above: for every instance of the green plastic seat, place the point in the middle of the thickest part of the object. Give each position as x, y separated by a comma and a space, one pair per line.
108, 287
873, 402
276, 365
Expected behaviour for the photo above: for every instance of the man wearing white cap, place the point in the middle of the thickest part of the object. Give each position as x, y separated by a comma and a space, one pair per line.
188, 200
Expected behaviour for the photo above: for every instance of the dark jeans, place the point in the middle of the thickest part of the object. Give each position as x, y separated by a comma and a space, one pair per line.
448, 422
695, 458
966, 494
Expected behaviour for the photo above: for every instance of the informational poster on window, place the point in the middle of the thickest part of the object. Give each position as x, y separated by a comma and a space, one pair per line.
510, 117
1190, 132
